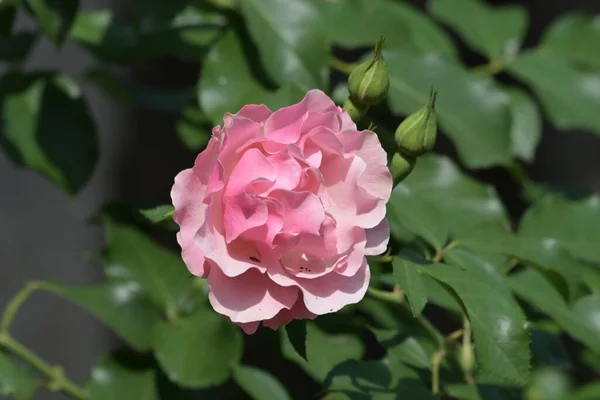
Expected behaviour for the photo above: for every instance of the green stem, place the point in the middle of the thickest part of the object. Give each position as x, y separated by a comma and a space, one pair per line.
494, 67
341, 66
15, 304
58, 381
439, 255
436, 362
385, 296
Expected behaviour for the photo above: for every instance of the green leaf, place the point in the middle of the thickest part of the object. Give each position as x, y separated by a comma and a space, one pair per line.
323, 351
588, 310
437, 197
407, 349
496, 32
296, 333
185, 35
570, 97
472, 110
408, 276
17, 47
198, 351
590, 391
227, 83
120, 306
48, 128
574, 224
547, 347
131, 94
357, 23
526, 125
260, 385
14, 381
542, 253
575, 36
159, 214
105, 36
290, 39
501, 340
532, 287
110, 380
133, 257
54, 16
193, 128
382, 379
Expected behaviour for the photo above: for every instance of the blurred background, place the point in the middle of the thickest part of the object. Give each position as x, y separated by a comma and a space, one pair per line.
45, 235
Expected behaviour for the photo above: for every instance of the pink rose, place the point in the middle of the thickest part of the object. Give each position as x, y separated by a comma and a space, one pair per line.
280, 210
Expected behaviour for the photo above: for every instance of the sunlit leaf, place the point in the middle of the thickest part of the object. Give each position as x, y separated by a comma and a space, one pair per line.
110, 380
120, 306
260, 385
198, 351
501, 340
497, 32
15, 382
472, 110
576, 37
47, 127
526, 125
291, 40
570, 97
531, 286
134, 258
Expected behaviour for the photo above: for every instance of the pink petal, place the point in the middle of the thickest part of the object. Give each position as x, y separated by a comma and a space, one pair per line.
377, 238
333, 291
376, 179
237, 133
285, 125
285, 316
234, 258
249, 297
249, 327
187, 195
303, 212
255, 112
352, 203
243, 211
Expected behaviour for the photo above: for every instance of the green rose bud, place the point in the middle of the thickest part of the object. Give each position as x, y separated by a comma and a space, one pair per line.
416, 134
401, 166
356, 111
369, 82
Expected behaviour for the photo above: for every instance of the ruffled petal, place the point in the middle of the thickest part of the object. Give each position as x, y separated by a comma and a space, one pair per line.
377, 238
333, 291
249, 297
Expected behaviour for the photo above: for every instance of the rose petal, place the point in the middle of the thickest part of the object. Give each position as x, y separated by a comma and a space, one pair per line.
249, 297
377, 238
255, 112
333, 291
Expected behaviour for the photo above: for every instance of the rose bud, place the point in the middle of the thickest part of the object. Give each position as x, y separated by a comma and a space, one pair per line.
416, 135
369, 81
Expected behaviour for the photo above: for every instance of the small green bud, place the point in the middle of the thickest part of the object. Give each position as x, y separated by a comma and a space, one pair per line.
356, 111
401, 167
416, 135
369, 82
